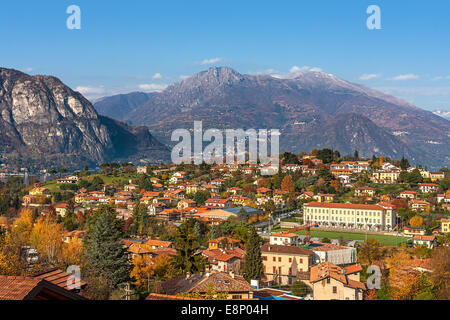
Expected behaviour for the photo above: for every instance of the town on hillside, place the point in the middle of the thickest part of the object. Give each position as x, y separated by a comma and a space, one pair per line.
324, 227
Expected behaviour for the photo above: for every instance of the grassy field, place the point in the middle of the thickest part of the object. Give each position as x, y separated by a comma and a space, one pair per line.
111, 179
119, 179
361, 237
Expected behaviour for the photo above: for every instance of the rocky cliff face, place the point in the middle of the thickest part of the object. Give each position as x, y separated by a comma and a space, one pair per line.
312, 110
41, 116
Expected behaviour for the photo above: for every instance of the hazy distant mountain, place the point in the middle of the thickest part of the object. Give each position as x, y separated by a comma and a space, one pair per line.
443, 114
312, 109
119, 106
45, 121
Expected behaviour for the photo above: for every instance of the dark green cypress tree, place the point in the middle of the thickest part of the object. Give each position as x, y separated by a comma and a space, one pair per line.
106, 256
404, 163
253, 265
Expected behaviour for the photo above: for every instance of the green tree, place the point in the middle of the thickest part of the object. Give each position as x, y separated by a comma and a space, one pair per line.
325, 174
326, 155
299, 289
404, 163
201, 196
140, 219
186, 243
107, 259
62, 171
289, 158
143, 181
253, 265
371, 251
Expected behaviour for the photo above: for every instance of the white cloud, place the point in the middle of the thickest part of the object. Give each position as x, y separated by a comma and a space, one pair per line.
369, 76
416, 91
210, 61
441, 78
84, 90
409, 76
152, 87
183, 77
295, 71
28, 69
95, 92
157, 76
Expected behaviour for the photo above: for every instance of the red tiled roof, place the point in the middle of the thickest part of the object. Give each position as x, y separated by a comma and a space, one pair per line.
284, 234
156, 296
344, 205
57, 277
229, 240
222, 282
424, 238
354, 268
329, 270
286, 249
158, 243
217, 200
16, 288
30, 288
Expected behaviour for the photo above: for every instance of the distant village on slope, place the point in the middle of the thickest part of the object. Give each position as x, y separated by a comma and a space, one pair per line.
312, 231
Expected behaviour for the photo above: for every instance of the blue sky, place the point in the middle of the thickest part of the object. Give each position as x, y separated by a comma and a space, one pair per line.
125, 46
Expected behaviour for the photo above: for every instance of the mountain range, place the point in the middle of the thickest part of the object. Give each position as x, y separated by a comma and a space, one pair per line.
311, 109
44, 122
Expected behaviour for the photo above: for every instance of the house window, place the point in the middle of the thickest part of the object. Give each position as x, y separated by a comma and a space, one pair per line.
301, 260
264, 258
236, 297
279, 259
328, 280
290, 259
274, 259
334, 289
274, 269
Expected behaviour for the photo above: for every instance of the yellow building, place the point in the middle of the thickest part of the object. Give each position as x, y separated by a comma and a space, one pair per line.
445, 225
223, 243
326, 198
281, 264
425, 174
385, 176
39, 191
437, 176
192, 188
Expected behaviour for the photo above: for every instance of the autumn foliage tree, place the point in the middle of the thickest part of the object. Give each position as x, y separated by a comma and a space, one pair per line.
440, 264
12, 260
287, 185
371, 251
47, 238
416, 221
402, 276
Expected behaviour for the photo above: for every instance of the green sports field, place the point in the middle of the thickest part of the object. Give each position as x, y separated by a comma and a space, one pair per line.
361, 237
